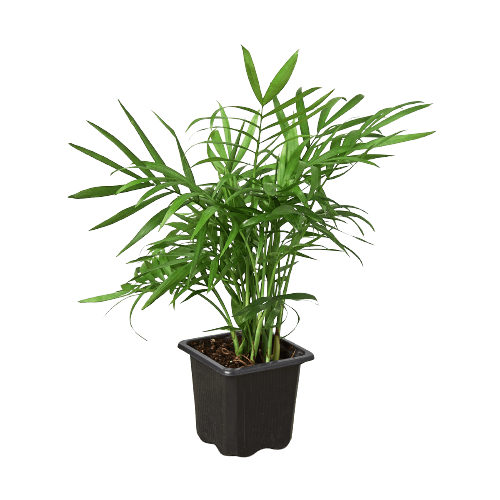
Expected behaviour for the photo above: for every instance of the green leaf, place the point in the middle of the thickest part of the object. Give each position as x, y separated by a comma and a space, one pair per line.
199, 292
264, 302
232, 235
127, 212
146, 229
105, 160
152, 191
128, 287
281, 79
396, 117
348, 214
350, 139
330, 236
152, 151
214, 266
346, 107
309, 214
275, 214
300, 195
185, 164
175, 205
298, 97
260, 245
129, 186
197, 252
207, 213
300, 114
171, 282
227, 130
151, 271
226, 180
315, 181
248, 138
326, 110
236, 306
392, 140
165, 263
173, 175
216, 140
304, 126
109, 296
252, 74
98, 192
131, 156
270, 188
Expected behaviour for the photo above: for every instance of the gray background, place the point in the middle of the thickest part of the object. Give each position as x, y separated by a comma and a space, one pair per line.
401, 401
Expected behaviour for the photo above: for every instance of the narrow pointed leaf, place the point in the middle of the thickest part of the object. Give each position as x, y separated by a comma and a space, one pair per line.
214, 265
218, 144
204, 218
105, 160
326, 110
304, 126
393, 140
131, 156
185, 164
397, 116
298, 97
152, 151
109, 296
197, 252
263, 303
146, 229
127, 212
227, 130
281, 79
175, 205
171, 281
232, 235
246, 141
346, 107
100, 191
252, 74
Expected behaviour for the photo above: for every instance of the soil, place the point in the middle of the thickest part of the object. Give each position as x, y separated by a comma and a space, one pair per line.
222, 351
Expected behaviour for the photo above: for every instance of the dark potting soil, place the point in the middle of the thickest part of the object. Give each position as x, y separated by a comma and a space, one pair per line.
222, 351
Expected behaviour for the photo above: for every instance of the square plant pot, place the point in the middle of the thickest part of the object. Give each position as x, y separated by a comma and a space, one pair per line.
244, 410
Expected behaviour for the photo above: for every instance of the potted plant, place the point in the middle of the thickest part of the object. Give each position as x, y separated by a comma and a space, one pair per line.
242, 235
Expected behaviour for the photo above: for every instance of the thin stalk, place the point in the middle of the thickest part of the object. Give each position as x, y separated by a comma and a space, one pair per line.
233, 334
255, 346
254, 201
276, 352
287, 279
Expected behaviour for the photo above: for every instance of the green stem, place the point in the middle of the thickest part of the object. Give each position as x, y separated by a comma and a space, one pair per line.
269, 345
254, 201
276, 353
229, 322
287, 279
255, 346
242, 348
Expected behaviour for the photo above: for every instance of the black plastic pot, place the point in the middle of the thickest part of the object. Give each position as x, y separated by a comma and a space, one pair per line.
243, 410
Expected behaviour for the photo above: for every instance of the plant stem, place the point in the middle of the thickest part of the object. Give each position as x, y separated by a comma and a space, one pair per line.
287, 279
229, 322
276, 353
255, 346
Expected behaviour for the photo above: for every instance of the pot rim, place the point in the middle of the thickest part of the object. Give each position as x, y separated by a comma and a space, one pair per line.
303, 356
